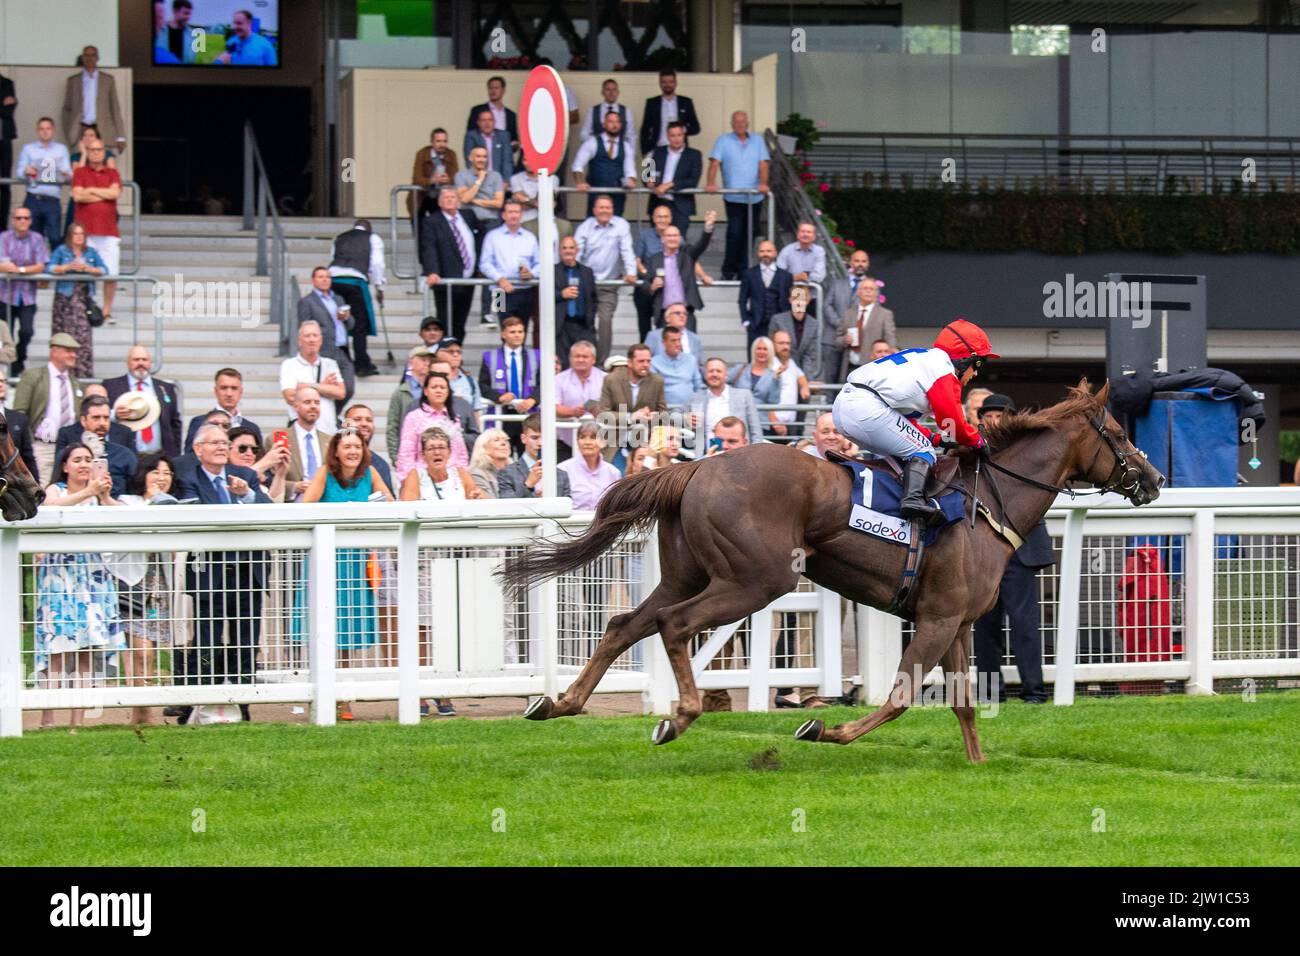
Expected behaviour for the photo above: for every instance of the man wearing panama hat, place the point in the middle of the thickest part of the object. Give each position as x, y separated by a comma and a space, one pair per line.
50, 396
163, 434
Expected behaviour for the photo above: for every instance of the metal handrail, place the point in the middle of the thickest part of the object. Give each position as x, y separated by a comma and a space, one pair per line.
1133, 163
130, 184
259, 205
799, 208
133, 280
426, 301
396, 263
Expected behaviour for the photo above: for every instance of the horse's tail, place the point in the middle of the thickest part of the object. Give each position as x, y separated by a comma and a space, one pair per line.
630, 505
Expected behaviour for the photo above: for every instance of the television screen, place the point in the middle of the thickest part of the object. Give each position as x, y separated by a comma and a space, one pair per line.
220, 33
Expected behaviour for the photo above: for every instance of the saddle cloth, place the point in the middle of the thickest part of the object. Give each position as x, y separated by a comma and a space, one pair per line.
877, 504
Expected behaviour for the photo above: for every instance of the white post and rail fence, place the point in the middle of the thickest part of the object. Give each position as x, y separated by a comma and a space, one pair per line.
399, 602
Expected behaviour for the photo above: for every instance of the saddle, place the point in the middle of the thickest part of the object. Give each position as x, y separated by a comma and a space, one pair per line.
945, 474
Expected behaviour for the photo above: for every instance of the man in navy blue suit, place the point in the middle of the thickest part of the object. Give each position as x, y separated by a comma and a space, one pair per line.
764, 291
661, 111
676, 167
226, 586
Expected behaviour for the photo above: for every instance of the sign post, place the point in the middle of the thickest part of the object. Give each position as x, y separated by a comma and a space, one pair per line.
544, 137
545, 132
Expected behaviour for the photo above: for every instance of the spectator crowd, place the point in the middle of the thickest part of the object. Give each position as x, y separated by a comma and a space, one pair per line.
663, 399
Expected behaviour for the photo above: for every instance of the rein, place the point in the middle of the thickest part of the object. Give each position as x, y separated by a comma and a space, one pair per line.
1128, 481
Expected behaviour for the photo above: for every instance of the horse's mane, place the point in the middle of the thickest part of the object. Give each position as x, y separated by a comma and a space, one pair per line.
1017, 425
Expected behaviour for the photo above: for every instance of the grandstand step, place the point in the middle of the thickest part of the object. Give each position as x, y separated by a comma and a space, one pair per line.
216, 249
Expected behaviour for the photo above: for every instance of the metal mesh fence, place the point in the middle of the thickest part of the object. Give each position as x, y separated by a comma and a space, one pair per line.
94, 619
590, 596
1256, 578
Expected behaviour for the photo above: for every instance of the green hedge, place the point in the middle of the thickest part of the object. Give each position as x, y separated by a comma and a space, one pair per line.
968, 220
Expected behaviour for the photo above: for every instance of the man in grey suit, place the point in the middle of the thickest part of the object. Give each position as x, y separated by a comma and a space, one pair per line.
718, 400
104, 111
862, 323
803, 332
325, 307
840, 294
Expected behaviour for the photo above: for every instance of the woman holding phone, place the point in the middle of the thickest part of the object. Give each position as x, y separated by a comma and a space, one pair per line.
244, 452
348, 475
76, 595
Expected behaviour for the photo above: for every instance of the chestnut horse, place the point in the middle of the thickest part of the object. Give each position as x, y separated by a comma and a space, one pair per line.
19, 493
730, 525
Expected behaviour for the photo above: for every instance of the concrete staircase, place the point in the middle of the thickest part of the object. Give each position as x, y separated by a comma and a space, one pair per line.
216, 249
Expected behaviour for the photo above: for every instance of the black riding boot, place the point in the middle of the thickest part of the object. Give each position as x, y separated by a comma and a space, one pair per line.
915, 505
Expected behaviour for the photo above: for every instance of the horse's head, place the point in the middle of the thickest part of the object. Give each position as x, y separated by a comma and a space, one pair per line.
19, 493
1104, 456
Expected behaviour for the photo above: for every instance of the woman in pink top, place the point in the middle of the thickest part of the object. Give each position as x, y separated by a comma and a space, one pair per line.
435, 410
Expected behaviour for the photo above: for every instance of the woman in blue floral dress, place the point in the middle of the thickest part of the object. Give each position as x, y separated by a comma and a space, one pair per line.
78, 628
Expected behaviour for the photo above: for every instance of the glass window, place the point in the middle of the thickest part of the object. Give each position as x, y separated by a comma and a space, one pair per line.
1031, 39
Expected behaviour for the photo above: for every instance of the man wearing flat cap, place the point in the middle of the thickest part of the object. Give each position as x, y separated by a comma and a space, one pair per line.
164, 433
50, 396
1018, 601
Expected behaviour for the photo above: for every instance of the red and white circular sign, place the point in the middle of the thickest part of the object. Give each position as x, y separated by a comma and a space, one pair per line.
544, 111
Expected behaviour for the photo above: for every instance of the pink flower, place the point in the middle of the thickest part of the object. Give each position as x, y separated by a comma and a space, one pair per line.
824, 187
850, 243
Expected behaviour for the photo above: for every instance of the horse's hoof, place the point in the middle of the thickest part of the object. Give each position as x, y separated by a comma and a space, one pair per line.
665, 732
540, 708
811, 730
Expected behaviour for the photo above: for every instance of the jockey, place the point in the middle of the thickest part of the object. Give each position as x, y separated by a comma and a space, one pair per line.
879, 405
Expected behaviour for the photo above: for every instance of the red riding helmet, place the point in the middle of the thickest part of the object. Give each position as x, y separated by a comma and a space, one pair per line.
964, 340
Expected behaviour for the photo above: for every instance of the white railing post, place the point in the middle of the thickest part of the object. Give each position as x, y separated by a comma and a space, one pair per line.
321, 589
661, 690
408, 624
760, 658
1067, 635
549, 603
880, 648
1198, 610
828, 640
11, 635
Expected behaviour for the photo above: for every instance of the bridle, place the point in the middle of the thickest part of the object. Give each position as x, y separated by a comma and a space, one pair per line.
9, 462
1127, 484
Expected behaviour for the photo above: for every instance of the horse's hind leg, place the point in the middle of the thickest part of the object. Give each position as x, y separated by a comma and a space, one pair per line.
622, 632
722, 602
956, 669
928, 647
